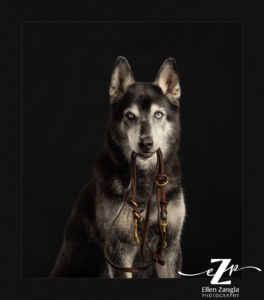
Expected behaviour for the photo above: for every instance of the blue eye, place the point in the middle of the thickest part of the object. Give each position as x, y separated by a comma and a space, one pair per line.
130, 116
159, 115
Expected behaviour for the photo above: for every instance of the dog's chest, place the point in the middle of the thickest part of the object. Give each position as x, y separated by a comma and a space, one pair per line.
175, 214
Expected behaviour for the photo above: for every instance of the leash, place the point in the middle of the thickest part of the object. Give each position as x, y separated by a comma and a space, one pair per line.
159, 180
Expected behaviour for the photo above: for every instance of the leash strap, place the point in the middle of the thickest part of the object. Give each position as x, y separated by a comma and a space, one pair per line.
160, 180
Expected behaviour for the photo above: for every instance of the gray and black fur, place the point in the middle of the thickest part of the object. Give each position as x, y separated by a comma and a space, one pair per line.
144, 117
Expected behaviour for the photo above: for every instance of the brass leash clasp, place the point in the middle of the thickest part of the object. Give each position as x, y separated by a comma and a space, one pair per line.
135, 237
164, 225
164, 230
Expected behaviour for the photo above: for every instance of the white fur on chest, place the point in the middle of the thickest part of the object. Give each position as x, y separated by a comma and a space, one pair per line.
125, 222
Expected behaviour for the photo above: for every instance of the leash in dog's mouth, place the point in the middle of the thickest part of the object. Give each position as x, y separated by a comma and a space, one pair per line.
159, 182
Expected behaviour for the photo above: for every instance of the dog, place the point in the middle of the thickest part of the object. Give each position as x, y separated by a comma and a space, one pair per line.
144, 117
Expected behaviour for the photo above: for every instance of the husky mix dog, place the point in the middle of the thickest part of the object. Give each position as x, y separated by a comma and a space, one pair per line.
144, 117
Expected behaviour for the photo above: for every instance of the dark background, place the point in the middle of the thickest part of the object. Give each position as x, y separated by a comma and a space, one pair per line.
66, 70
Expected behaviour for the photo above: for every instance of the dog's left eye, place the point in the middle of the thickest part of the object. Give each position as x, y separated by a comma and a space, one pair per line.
130, 116
158, 115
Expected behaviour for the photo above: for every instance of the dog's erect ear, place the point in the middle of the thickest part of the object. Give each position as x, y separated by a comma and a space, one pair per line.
121, 79
168, 80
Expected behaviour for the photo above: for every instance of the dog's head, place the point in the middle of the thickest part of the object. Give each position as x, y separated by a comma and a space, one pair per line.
145, 116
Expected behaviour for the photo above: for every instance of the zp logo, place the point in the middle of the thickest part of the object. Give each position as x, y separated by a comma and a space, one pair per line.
221, 270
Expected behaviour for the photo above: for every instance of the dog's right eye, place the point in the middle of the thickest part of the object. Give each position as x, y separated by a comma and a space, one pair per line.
130, 115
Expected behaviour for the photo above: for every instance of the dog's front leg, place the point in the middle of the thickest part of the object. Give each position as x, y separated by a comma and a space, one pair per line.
120, 245
121, 254
173, 263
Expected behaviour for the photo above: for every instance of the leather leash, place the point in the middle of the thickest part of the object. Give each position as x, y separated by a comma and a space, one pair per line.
160, 180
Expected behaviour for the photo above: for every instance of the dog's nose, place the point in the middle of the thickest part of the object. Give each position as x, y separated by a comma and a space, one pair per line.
145, 144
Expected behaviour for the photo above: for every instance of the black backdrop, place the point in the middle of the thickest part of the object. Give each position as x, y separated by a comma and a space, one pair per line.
66, 70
